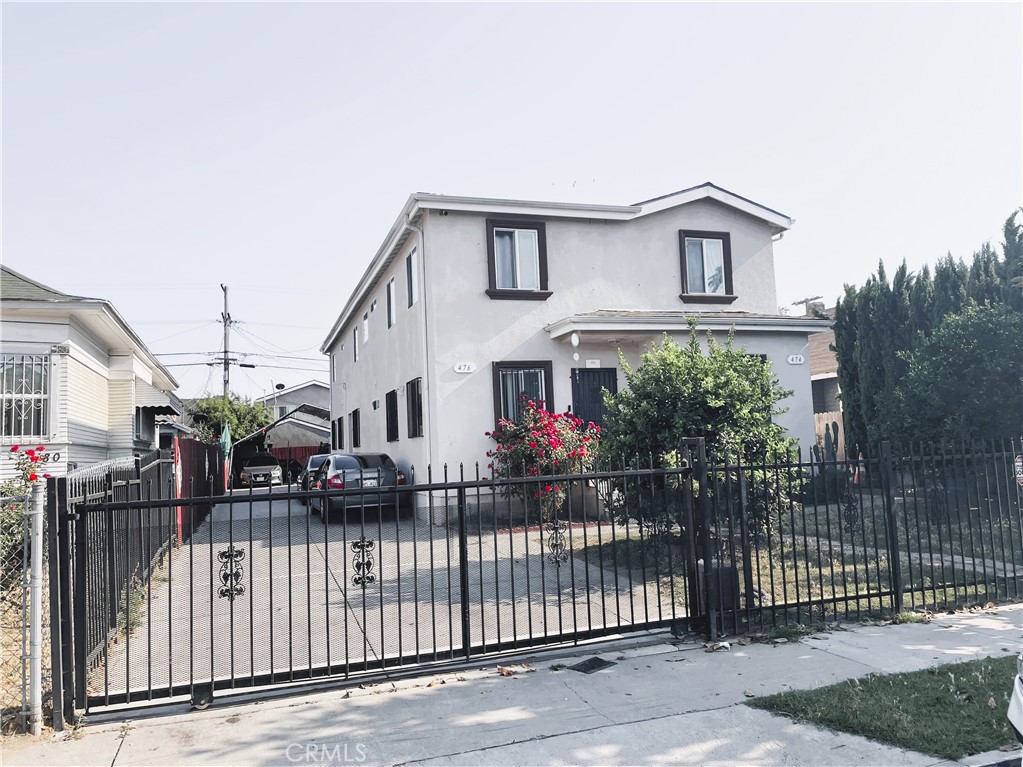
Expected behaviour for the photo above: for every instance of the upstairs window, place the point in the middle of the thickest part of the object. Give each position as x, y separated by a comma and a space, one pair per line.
412, 277
25, 383
517, 260
517, 383
706, 266
365, 327
355, 344
392, 308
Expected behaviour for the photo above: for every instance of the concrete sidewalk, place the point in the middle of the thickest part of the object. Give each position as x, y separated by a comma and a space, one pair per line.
660, 703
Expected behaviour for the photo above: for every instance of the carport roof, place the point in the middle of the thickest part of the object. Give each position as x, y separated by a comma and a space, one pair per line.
317, 418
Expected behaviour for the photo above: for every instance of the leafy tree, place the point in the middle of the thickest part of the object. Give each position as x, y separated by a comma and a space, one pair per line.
879, 326
725, 395
242, 415
964, 382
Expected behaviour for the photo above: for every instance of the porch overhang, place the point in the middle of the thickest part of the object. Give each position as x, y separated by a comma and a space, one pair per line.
156, 401
623, 327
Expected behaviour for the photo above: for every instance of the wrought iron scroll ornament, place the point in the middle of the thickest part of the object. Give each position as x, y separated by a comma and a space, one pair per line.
363, 562
556, 541
231, 572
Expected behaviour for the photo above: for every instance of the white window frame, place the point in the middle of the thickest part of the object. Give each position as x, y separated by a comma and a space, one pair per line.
517, 259
412, 276
16, 396
392, 309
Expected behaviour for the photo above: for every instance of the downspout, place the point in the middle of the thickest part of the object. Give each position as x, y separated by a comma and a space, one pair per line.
427, 378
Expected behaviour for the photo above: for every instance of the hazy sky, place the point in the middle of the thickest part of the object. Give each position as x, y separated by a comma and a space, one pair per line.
152, 152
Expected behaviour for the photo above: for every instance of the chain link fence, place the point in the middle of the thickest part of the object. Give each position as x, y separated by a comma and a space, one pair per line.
15, 609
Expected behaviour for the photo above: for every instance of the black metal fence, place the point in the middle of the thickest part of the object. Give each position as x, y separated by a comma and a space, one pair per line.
269, 587
928, 528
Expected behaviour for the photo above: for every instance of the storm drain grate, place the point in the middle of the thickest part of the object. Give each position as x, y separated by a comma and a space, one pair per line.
591, 665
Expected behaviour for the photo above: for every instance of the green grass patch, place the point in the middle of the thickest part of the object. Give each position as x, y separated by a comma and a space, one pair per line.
948, 711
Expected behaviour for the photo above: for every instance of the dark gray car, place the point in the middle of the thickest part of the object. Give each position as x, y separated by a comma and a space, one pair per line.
307, 477
373, 473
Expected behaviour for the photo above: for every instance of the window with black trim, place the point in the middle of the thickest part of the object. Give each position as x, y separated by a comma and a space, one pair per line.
517, 259
706, 266
355, 344
339, 433
518, 383
412, 277
353, 428
392, 308
414, 407
391, 408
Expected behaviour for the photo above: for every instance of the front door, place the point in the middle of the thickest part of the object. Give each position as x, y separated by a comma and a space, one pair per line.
587, 392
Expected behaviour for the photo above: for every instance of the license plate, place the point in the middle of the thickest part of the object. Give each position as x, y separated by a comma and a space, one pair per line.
370, 482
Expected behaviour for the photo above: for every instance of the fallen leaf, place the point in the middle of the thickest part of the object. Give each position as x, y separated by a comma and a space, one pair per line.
528, 668
431, 684
991, 702
675, 660
505, 671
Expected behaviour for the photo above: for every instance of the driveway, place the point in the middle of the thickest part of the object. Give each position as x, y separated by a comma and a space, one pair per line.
365, 593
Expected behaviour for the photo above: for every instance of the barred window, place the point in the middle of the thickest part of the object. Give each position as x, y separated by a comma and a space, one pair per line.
25, 382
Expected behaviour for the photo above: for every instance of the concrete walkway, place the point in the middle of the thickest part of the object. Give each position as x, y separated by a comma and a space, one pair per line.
660, 703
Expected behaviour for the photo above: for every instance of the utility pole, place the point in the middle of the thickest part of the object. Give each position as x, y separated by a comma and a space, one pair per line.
226, 317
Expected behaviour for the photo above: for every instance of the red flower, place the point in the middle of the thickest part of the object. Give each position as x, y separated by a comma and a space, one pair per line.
548, 488
15, 448
30, 453
41, 448
47, 476
532, 445
34, 458
33, 477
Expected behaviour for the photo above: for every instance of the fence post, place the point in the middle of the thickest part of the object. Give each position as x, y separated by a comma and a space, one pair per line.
894, 562
54, 563
34, 511
463, 570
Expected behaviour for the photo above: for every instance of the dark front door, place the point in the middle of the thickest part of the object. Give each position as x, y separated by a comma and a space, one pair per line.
587, 392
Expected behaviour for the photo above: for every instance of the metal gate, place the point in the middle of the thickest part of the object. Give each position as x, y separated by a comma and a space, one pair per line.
261, 588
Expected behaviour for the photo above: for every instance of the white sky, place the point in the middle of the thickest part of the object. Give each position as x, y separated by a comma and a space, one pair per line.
153, 152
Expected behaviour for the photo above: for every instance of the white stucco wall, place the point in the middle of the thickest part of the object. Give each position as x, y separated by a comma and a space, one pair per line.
592, 265
387, 361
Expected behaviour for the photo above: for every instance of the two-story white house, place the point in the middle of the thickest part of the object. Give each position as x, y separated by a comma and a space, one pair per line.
471, 302
75, 378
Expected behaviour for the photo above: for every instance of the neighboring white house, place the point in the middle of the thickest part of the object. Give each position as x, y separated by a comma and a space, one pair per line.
471, 302
75, 378
284, 400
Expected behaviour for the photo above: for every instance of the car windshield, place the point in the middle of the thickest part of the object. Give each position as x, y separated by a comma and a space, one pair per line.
261, 460
346, 462
376, 460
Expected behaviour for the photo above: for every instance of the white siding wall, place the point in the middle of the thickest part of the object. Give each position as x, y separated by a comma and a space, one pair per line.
88, 407
122, 410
